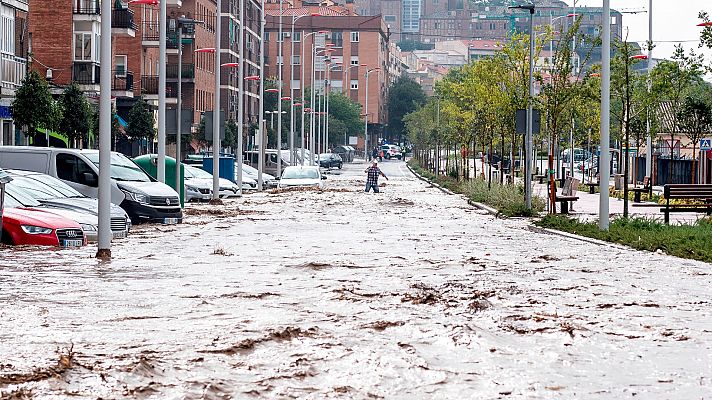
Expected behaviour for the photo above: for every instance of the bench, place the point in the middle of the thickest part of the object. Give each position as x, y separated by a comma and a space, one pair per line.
592, 187
568, 194
540, 178
647, 188
699, 193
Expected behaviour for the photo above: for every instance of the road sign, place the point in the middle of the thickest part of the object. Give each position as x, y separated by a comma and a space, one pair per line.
706, 144
521, 121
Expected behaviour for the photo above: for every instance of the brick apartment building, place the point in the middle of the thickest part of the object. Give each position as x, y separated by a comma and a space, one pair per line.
65, 41
356, 40
14, 46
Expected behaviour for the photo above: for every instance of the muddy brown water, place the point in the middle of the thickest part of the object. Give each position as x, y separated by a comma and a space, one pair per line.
406, 294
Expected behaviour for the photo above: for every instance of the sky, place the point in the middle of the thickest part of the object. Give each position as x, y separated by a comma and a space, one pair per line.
674, 21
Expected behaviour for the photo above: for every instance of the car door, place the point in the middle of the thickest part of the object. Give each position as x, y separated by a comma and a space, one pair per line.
76, 173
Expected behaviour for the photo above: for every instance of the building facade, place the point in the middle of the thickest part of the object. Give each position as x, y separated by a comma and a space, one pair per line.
14, 47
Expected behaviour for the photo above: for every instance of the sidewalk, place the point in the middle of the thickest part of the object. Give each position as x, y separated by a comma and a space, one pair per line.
586, 208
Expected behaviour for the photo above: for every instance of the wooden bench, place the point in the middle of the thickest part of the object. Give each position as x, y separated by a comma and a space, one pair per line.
568, 194
592, 187
647, 188
540, 178
699, 193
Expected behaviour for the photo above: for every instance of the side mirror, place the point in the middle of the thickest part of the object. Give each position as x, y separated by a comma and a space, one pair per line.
323, 177
90, 179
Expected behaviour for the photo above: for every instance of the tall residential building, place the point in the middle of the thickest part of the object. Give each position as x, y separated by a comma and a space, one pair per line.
353, 39
411, 16
14, 45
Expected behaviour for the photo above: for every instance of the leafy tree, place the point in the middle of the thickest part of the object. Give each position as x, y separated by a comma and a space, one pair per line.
230, 139
76, 116
116, 132
410, 45
404, 96
33, 106
141, 122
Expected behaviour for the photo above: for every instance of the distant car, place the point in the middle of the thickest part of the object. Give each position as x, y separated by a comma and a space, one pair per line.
302, 176
330, 160
21, 226
391, 151
52, 192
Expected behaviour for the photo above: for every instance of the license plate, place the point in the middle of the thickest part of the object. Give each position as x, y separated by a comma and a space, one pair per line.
73, 243
170, 221
119, 234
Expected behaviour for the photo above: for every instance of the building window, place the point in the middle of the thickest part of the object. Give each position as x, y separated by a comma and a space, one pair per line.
120, 65
296, 60
354, 37
354, 84
7, 34
82, 46
266, 37
354, 60
297, 37
389, 18
337, 38
296, 85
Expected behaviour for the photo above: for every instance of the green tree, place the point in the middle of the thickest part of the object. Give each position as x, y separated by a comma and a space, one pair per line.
77, 115
33, 106
404, 96
140, 122
230, 139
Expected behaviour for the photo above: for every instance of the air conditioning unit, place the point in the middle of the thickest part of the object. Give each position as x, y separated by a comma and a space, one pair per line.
287, 34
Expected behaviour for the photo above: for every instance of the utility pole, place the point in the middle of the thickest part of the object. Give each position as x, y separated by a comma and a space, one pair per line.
280, 65
263, 134
604, 156
241, 94
104, 250
649, 138
163, 32
216, 109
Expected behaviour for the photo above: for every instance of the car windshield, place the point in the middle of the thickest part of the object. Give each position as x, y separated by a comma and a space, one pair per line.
57, 185
20, 195
249, 169
197, 173
299, 173
122, 168
37, 190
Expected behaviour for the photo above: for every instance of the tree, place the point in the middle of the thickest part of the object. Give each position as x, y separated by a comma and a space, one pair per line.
115, 125
695, 119
230, 139
140, 122
76, 115
33, 106
404, 96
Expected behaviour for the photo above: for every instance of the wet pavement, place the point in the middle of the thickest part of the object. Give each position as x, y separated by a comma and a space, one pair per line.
405, 294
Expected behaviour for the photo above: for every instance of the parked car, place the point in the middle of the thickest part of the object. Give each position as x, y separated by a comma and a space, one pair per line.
268, 181
202, 182
143, 198
391, 151
23, 226
52, 192
302, 176
248, 183
330, 160
346, 152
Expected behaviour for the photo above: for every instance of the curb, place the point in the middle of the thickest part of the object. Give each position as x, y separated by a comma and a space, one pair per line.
568, 235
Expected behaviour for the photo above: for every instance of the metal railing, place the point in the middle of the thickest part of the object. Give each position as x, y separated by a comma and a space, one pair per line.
123, 19
13, 71
149, 85
149, 31
123, 81
85, 73
188, 71
87, 7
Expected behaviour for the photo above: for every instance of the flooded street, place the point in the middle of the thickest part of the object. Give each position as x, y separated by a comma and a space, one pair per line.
407, 294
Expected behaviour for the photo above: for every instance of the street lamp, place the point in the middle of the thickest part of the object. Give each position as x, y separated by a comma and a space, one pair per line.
104, 249
530, 101
313, 127
346, 83
604, 156
301, 82
365, 128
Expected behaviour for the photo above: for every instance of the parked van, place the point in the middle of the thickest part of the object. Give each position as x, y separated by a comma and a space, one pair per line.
143, 198
252, 159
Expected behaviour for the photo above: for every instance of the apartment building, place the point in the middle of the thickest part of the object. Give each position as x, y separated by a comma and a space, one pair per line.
353, 40
14, 46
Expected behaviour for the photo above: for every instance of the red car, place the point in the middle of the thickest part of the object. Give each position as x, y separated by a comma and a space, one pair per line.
35, 227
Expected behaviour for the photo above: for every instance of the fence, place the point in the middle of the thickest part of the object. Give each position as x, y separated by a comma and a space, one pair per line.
667, 171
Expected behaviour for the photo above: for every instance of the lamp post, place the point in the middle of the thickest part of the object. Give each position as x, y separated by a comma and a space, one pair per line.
216, 108
530, 101
263, 134
313, 127
365, 128
648, 137
302, 80
604, 156
104, 250
280, 83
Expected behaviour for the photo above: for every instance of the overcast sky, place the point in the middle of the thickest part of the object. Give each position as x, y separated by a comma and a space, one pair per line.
673, 22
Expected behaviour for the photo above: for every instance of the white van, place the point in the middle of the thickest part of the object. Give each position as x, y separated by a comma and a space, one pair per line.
143, 198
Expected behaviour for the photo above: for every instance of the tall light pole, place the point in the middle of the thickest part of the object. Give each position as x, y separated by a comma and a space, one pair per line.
530, 110
312, 127
216, 109
104, 250
365, 128
303, 48
280, 85
263, 134
162, 35
648, 137
241, 94
604, 156
292, 151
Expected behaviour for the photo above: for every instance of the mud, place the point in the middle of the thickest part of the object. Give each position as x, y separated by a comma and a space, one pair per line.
405, 294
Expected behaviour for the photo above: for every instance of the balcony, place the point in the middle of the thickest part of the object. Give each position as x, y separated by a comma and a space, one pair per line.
187, 72
12, 72
122, 85
150, 36
86, 75
87, 10
122, 22
149, 88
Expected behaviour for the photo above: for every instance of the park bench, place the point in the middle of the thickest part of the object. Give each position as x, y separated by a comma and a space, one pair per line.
702, 194
540, 178
568, 194
592, 187
647, 188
